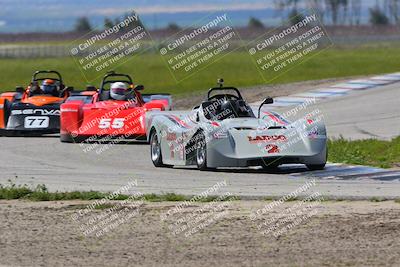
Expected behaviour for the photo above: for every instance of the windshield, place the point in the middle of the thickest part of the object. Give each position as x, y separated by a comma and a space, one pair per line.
226, 109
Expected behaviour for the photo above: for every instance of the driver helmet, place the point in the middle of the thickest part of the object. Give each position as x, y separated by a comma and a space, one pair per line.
49, 87
118, 91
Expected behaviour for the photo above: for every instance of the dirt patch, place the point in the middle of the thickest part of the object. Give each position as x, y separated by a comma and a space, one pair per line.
339, 234
258, 93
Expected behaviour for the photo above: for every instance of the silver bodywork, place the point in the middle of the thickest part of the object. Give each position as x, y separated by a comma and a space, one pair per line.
238, 142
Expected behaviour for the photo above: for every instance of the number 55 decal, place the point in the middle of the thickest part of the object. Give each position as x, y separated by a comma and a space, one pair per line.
116, 123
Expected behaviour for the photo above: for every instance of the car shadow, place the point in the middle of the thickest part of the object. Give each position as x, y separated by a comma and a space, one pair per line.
30, 136
126, 142
289, 169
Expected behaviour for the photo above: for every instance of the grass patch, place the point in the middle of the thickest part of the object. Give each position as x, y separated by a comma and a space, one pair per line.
14, 192
301, 198
397, 200
237, 68
41, 193
372, 152
270, 198
377, 199
165, 197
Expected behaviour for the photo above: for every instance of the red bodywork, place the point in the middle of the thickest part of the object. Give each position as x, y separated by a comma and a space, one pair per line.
97, 118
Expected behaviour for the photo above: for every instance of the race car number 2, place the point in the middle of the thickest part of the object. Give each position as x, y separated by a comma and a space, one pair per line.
116, 123
36, 122
272, 148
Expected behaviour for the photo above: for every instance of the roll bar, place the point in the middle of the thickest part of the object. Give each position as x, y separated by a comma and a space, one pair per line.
34, 77
113, 74
222, 88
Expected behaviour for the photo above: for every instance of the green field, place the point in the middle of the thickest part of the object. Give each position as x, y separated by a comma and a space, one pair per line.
237, 69
372, 152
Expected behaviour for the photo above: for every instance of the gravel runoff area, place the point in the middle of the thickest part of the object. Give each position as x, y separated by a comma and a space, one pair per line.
344, 233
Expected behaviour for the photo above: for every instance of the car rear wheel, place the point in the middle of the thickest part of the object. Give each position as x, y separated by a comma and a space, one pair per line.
155, 150
6, 113
66, 138
70, 138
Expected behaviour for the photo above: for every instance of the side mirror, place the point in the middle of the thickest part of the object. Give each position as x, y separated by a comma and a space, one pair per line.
19, 89
268, 100
139, 87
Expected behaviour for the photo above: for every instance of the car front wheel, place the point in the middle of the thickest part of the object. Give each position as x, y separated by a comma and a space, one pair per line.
155, 150
317, 167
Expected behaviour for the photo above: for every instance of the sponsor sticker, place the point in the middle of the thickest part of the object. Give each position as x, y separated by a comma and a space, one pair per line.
36, 122
267, 138
271, 148
44, 112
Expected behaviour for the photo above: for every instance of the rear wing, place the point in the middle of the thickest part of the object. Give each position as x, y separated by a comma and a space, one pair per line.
11, 96
84, 96
150, 97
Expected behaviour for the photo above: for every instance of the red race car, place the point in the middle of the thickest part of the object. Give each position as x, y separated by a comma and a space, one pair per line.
116, 110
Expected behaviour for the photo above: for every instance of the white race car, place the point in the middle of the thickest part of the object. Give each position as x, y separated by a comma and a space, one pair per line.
223, 131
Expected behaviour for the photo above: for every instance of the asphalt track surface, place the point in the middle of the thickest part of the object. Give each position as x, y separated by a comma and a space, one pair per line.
373, 113
60, 166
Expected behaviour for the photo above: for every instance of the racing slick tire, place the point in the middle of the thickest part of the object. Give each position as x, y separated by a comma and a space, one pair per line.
201, 153
269, 166
7, 110
155, 150
66, 138
69, 138
318, 167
